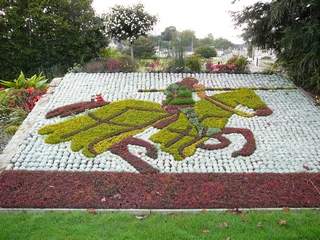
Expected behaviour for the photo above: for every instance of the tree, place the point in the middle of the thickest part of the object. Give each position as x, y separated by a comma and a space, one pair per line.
129, 23
169, 34
208, 41
144, 47
292, 29
168, 38
222, 43
187, 38
206, 52
43, 35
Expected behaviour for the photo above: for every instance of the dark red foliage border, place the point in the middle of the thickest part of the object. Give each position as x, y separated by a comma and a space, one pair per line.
189, 82
75, 108
27, 189
248, 148
263, 112
121, 149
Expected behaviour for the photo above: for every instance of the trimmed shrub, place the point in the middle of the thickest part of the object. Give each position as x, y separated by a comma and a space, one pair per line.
193, 62
206, 52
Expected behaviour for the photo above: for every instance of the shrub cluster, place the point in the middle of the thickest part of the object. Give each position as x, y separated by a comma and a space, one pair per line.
236, 64
103, 65
18, 98
206, 52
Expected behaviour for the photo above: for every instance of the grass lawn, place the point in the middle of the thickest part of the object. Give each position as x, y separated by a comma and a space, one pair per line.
76, 225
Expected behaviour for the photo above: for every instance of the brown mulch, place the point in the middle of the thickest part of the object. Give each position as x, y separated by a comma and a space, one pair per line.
35, 189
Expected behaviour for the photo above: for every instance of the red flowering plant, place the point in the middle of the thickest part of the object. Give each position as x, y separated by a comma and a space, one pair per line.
25, 98
240, 63
19, 98
154, 66
24, 92
220, 68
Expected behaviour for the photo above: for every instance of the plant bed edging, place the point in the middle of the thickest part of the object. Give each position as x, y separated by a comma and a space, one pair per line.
148, 211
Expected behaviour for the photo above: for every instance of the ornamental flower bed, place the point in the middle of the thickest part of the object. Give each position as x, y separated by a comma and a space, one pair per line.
18, 99
83, 142
146, 140
26, 98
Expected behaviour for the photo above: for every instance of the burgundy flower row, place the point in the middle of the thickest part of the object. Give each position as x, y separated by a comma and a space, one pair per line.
75, 108
27, 189
121, 149
248, 148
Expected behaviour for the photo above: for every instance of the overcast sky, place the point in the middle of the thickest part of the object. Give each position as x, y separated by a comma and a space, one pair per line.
202, 16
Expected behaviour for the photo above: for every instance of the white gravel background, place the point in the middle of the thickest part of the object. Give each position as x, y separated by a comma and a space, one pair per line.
287, 141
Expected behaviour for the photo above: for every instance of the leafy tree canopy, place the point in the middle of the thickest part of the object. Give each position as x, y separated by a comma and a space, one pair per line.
43, 35
169, 34
187, 38
222, 43
292, 29
206, 41
129, 23
144, 47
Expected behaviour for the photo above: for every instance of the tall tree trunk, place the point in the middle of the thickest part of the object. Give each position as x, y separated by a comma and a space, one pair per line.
131, 50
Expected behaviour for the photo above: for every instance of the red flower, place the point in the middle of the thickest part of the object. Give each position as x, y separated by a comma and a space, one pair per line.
220, 68
30, 90
99, 98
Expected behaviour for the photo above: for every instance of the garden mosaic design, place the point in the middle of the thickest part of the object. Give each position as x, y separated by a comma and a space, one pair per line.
142, 141
245, 123
185, 124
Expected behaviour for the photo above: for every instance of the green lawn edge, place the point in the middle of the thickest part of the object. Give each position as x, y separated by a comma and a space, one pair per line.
302, 224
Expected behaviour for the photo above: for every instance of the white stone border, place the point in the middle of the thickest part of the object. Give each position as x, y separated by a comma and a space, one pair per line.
147, 211
22, 132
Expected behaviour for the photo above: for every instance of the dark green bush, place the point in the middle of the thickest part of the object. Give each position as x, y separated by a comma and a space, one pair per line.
206, 52
193, 62
47, 36
176, 65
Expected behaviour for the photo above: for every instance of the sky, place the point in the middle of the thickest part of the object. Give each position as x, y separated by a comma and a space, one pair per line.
202, 16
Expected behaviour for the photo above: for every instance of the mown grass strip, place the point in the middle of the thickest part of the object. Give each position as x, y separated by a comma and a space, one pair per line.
79, 225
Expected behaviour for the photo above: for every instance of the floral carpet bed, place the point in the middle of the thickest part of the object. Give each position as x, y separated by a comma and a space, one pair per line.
143, 140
